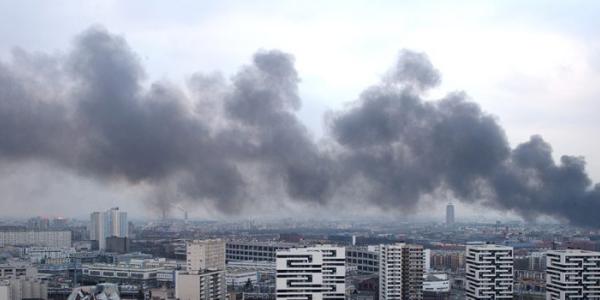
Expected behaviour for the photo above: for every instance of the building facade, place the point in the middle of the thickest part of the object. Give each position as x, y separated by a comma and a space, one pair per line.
204, 277
204, 285
17, 269
401, 272
572, 274
489, 272
436, 286
365, 259
205, 255
255, 251
49, 255
117, 244
312, 273
60, 239
104, 224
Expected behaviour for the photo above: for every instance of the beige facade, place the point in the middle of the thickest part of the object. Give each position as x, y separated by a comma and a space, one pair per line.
204, 255
200, 286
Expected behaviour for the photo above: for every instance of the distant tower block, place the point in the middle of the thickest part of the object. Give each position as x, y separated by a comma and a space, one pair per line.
450, 214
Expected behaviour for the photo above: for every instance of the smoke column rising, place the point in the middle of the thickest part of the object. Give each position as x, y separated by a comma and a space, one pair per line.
218, 141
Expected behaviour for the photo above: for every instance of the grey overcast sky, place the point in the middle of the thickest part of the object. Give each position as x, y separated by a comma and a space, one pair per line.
533, 65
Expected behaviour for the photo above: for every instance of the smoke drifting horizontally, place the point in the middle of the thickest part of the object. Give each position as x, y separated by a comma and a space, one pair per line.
219, 141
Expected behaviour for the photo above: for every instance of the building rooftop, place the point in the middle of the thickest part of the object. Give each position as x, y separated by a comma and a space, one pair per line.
574, 251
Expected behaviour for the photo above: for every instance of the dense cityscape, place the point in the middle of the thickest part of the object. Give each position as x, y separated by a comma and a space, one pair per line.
63, 258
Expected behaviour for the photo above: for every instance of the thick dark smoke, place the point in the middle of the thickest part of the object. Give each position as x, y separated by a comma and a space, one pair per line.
91, 111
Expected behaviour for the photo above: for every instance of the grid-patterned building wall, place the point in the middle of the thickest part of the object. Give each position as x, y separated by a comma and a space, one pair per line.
311, 273
489, 272
572, 274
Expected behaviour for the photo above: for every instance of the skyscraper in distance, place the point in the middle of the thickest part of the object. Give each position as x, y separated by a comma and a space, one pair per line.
450, 214
103, 224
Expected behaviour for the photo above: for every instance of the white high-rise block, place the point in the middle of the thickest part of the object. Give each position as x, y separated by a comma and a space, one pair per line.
572, 274
112, 222
315, 273
401, 272
489, 271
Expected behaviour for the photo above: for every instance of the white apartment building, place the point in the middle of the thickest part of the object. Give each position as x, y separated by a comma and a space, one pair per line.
204, 277
489, 271
60, 239
572, 274
315, 273
436, 283
103, 224
401, 272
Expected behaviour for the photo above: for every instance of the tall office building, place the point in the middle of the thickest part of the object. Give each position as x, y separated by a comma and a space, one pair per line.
313, 273
450, 214
489, 272
401, 272
204, 278
112, 222
572, 274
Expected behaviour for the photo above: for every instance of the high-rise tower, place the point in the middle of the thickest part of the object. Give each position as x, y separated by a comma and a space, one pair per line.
450, 214
401, 272
572, 274
112, 222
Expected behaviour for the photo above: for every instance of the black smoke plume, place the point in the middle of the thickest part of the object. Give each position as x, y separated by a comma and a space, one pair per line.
91, 111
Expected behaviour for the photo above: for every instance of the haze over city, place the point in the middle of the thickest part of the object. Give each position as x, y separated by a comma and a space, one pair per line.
299, 150
279, 109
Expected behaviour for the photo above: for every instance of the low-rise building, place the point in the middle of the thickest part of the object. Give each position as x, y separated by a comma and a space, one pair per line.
17, 269
239, 278
255, 251
144, 272
436, 286
46, 238
365, 259
49, 255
